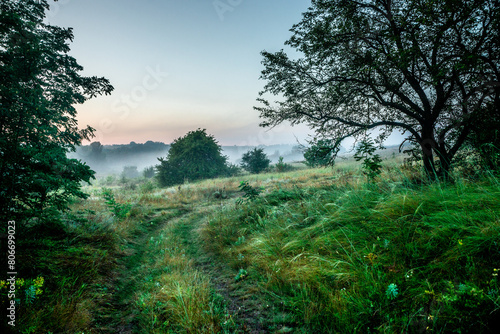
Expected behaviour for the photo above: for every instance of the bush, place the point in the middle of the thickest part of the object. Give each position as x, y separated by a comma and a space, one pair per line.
130, 172
372, 166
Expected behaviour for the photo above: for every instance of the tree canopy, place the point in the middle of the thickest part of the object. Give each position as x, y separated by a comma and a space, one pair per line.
195, 156
423, 67
255, 161
40, 85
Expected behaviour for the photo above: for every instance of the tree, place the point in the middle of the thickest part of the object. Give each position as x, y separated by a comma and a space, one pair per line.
425, 68
148, 172
130, 172
96, 155
255, 161
195, 156
485, 137
39, 86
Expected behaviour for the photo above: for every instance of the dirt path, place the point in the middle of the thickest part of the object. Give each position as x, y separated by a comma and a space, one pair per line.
244, 303
117, 311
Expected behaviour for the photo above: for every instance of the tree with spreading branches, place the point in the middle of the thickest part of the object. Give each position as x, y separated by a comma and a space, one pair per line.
426, 68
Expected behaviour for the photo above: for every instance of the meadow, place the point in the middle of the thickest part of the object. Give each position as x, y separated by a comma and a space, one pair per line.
306, 251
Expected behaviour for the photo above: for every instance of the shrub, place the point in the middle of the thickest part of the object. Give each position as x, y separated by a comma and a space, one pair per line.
321, 153
371, 162
130, 172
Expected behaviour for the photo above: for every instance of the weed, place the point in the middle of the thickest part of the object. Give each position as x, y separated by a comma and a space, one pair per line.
250, 193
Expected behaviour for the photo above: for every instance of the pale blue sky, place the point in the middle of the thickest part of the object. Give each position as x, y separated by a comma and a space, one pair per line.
178, 65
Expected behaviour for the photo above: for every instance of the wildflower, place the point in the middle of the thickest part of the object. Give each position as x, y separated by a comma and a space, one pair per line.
460, 242
38, 282
495, 272
2, 284
409, 274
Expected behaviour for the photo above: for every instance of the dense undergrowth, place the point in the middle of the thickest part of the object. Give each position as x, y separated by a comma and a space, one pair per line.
316, 251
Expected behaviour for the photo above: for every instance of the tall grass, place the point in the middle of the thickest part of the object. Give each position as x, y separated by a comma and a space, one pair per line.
354, 257
319, 251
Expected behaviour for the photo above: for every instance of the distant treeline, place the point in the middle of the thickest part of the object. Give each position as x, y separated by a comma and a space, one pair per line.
114, 158
96, 152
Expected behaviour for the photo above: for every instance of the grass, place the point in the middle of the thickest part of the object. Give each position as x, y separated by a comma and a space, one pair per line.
328, 256
318, 251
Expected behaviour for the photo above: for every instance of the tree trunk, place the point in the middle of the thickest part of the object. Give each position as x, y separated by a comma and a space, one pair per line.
428, 144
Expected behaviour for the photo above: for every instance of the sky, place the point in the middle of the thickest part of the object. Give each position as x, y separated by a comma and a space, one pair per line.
178, 65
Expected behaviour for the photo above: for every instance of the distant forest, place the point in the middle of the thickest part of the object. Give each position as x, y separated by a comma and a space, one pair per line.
112, 159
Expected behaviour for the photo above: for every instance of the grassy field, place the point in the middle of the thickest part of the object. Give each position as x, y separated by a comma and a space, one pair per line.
311, 251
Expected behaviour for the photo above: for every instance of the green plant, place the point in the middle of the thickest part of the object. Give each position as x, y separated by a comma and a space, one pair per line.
30, 294
149, 172
282, 166
242, 273
130, 172
250, 193
120, 210
371, 164
392, 291
321, 153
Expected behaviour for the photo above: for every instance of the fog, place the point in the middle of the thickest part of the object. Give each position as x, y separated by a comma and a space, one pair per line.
112, 159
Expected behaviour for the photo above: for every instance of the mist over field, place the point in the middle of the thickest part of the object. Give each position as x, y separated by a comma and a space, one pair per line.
111, 159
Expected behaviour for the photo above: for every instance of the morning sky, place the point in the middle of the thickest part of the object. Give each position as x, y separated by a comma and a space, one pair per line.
178, 65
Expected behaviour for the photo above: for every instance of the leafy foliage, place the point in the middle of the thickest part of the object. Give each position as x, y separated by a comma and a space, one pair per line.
371, 162
321, 153
282, 166
130, 172
425, 68
148, 172
485, 136
40, 84
118, 209
195, 156
255, 161
250, 193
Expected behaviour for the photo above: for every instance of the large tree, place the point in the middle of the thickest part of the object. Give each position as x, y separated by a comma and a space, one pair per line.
39, 86
195, 156
424, 67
